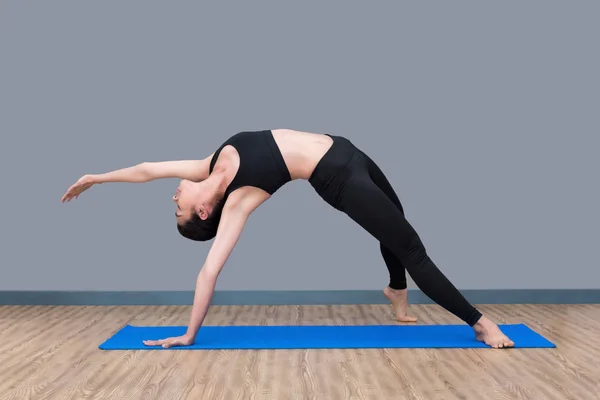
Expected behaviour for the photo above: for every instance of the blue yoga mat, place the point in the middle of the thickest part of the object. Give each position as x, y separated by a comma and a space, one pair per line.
320, 337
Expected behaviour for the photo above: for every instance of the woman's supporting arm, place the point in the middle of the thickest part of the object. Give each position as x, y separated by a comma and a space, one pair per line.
230, 228
236, 211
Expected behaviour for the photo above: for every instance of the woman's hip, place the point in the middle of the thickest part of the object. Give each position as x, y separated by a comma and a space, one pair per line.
341, 163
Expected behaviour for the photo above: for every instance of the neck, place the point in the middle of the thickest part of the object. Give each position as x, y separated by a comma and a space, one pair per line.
218, 182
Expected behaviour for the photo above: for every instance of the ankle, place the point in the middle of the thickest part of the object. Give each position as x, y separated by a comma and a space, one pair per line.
483, 323
395, 290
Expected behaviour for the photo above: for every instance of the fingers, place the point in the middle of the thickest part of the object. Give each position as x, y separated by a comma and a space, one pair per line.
172, 342
76, 189
67, 194
71, 193
165, 343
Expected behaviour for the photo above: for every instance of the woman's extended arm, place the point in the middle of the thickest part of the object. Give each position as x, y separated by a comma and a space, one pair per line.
233, 219
193, 170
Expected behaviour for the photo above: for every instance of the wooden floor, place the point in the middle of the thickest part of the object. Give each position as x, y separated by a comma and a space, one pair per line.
52, 353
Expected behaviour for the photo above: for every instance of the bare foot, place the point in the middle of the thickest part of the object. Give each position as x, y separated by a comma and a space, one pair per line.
399, 300
489, 333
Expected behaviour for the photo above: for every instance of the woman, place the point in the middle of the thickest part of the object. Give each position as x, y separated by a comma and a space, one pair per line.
217, 194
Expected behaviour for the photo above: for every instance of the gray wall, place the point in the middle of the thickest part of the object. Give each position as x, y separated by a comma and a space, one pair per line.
484, 117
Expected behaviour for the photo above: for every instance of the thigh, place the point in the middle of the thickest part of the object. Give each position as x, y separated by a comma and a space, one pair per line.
369, 206
379, 178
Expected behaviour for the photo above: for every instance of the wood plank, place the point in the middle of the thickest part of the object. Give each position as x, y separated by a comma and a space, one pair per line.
52, 353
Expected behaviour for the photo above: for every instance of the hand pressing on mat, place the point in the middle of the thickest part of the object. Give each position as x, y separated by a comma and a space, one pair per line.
170, 342
82, 184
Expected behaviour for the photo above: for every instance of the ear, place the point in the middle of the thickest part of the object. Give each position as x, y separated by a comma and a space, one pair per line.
202, 212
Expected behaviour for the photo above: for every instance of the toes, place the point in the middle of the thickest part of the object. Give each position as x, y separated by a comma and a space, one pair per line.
508, 343
502, 345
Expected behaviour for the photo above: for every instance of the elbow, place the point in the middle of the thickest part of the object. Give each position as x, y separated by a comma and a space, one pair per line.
143, 167
143, 172
209, 274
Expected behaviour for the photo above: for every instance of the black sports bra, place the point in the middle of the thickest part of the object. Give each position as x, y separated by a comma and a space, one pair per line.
261, 162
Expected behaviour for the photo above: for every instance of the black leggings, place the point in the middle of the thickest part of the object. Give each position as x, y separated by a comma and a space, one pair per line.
352, 183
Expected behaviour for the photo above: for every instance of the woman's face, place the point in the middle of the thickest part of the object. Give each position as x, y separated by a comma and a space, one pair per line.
191, 197
184, 200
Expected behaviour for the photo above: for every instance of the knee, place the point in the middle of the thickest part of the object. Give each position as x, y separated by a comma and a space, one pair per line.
417, 253
420, 256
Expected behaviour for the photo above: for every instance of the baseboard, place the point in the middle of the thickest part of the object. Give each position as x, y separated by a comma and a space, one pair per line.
308, 297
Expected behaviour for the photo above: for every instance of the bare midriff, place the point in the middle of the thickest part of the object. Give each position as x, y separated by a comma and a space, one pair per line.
301, 151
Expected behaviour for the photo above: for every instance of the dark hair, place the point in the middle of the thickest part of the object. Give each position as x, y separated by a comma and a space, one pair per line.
199, 229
